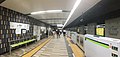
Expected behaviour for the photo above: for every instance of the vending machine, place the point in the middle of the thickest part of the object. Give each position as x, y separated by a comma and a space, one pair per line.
95, 46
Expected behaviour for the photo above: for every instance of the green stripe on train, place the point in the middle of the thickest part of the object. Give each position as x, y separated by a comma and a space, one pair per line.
100, 44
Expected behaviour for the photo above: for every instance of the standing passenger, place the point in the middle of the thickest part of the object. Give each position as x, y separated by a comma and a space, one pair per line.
58, 33
53, 34
64, 33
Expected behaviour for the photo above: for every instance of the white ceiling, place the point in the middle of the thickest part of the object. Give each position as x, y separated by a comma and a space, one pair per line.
28, 6
51, 15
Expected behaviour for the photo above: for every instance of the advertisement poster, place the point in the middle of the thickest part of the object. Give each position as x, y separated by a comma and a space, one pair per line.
18, 29
13, 25
19, 26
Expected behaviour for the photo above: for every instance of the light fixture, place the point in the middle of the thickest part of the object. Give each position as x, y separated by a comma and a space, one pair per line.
53, 11
59, 25
72, 11
38, 12
47, 11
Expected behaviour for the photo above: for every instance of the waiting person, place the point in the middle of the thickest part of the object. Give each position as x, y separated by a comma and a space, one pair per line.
58, 33
53, 34
64, 33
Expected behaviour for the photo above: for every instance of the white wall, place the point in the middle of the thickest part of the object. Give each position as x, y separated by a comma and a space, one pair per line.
36, 31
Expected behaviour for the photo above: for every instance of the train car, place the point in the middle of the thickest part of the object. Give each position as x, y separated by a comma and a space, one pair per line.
80, 41
101, 46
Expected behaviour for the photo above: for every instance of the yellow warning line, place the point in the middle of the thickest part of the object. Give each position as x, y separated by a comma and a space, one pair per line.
32, 52
76, 50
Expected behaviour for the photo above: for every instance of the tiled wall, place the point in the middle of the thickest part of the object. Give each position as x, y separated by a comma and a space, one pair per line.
91, 28
9, 35
81, 30
112, 28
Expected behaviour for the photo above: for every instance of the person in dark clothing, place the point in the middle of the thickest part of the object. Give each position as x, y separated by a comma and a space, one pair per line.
64, 33
47, 33
58, 33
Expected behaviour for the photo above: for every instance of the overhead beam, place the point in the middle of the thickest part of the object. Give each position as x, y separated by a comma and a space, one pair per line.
54, 19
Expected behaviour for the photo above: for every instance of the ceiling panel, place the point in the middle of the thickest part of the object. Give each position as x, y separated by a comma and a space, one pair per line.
82, 8
54, 21
28, 6
22, 6
52, 15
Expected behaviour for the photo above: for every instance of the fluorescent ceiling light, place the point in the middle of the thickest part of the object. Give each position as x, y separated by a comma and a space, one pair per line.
59, 28
47, 11
59, 25
54, 11
72, 11
38, 12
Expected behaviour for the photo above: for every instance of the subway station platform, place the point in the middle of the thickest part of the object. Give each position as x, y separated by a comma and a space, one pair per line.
48, 47
55, 48
29, 28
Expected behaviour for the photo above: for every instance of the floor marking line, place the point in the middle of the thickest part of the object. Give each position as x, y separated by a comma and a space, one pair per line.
32, 52
77, 52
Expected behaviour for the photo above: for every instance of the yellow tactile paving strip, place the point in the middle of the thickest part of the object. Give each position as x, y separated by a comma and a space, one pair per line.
76, 50
32, 52
55, 48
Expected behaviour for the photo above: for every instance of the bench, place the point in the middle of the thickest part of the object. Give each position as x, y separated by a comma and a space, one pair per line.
20, 43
